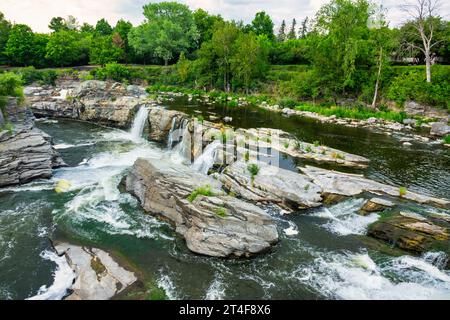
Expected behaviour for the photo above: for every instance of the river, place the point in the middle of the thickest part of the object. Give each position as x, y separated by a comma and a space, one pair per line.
321, 255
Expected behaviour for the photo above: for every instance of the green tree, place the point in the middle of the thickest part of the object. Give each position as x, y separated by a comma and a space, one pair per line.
5, 29
304, 29
205, 24
293, 31
87, 28
250, 58
57, 24
262, 24
223, 44
106, 49
282, 33
63, 48
40, 50
20, 45
183, 68
341, 50
169, 30
103, 28
123, 28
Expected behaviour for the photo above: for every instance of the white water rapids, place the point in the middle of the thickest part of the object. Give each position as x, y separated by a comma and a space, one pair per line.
95, 200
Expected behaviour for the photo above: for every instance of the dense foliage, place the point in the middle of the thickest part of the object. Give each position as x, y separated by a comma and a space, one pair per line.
325, 59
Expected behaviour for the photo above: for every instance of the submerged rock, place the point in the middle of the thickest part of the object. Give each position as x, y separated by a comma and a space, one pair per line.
411, 233
348, 185
271, 184
216, 225
376, 205
98, 276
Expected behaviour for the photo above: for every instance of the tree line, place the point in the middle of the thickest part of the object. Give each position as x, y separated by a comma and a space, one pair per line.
348, 45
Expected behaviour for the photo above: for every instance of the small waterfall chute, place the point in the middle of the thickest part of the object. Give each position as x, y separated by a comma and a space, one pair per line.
172, 132
139, 124
206, 160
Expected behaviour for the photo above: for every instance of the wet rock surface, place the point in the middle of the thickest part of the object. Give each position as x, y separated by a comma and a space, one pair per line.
98, 276
216, 225
412, 232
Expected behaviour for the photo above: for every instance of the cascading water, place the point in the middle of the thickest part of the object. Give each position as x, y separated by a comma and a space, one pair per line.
206, 160
171, 133
139, 124
183, 148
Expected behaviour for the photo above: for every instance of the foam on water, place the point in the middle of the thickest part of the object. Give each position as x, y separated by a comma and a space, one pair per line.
63, 278
292, 230
357, 276
343, 218
166, 283
216, 290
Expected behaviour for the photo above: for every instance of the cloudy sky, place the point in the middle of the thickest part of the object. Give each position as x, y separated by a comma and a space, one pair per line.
37, 13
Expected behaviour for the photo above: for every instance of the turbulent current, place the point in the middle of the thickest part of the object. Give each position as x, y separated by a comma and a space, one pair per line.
320, 255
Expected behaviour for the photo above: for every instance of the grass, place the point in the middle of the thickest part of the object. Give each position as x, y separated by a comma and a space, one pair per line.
201, 191
353, 113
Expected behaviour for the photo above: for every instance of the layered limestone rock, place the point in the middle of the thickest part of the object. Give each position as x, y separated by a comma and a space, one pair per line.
375, 205
101, 102
340, 184
98, 276
215, 225
412, 232
271, 184
162, 122
26, 153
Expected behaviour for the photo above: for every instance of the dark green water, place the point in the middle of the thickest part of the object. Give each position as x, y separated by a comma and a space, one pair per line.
320, 255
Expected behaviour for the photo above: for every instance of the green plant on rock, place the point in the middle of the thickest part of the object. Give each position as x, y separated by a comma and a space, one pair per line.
200, 119
306, 188
201, 191
221, 212
316, 144
402, 191
286, 145
253, 169
308, 148
247, 156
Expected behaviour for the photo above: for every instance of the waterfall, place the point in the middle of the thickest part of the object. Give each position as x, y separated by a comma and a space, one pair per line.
206, 159
139, 123
171, 133
183, 148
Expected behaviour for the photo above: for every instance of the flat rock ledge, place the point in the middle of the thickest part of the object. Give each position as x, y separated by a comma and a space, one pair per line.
288, 189
338, 184
98, 276
217, 225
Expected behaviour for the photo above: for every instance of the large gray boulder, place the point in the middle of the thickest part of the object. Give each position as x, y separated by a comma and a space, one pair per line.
440, 129
217, 225
288, 189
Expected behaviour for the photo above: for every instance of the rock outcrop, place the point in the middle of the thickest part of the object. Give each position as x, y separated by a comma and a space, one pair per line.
412, 232
26, 153
375, 205
340, 184
216, 225
440, 129
98, 276
162, 122
101, 102
271, 184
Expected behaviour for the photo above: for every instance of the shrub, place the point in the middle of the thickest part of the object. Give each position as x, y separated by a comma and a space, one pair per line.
201, 191
48, 77
253, 169
447, 139
113, 71
10, 84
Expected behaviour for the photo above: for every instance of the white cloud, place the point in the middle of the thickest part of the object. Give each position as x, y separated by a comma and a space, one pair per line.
37, 13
